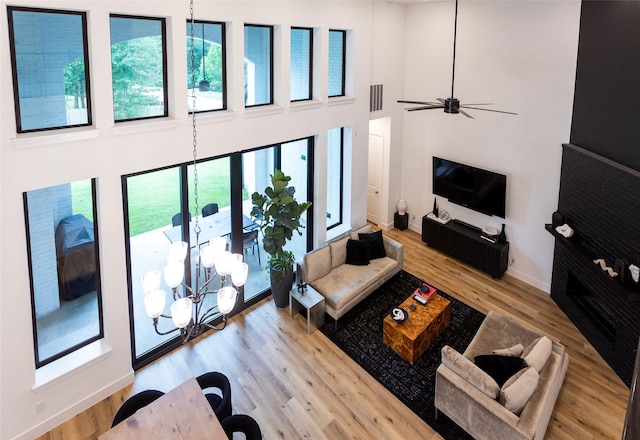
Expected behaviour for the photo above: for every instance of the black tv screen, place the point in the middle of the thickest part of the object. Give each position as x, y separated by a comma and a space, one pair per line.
474, 188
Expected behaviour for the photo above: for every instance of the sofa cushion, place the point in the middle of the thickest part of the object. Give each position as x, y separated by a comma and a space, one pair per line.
515, 392
469, 371
500, 368
514, 350
537, 353
317, 263
357, 252
362, 230
376, 244
338, 252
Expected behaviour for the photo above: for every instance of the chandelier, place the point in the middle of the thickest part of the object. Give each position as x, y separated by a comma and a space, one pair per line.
189, 313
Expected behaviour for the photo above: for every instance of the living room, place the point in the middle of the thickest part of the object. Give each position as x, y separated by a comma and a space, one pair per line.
521, 56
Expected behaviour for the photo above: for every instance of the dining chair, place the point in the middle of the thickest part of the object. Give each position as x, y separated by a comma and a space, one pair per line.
176, 220
220, 401
134, 403
250, 240
241, 423
210, 209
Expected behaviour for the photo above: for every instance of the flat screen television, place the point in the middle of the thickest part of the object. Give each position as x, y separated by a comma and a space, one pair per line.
481, 190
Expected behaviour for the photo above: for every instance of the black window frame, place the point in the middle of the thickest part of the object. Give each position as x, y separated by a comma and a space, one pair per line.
14, 66
39, 363
165, 63
224, 63
271, 58
344, 61
341, 210
310, 31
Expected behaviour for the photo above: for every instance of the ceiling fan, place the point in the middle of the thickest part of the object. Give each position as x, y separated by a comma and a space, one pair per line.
451, 105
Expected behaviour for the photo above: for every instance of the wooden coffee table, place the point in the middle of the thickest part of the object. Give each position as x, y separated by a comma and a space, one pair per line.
411, 338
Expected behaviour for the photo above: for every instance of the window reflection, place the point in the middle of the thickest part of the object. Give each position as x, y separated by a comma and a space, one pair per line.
63, 260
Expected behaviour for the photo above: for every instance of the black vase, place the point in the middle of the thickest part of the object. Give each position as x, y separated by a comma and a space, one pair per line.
435, 207
502, 238
557, 219
281, 284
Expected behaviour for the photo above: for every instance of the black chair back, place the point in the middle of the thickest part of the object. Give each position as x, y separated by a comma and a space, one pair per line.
241, 423
211, 208
134, 403
220, 403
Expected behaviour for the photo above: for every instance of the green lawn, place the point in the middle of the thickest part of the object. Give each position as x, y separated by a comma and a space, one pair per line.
154, 198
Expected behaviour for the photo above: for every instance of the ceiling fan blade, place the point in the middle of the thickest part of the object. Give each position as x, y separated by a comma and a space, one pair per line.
425, 107
489, 110
441, 100
484, 103
465, 113
402, 101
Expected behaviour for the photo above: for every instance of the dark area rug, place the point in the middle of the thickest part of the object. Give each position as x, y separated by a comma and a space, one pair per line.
359, 335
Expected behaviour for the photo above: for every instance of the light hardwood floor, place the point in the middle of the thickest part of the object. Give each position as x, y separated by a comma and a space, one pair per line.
301, 386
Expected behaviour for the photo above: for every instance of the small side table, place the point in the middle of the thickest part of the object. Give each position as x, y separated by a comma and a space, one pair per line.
401, 221
312, 301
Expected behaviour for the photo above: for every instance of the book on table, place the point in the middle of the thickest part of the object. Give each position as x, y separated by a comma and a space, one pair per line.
425, 290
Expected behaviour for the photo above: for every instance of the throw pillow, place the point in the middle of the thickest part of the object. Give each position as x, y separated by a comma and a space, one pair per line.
501, 368
514, 350
357, 252
338, 252
537, 353
516, 392
317, 264
377, 244
361, 230
470, 372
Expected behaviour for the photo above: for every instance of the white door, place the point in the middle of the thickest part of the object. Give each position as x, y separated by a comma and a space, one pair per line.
374, 181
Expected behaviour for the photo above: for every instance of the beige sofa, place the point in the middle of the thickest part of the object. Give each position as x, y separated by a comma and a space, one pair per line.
472, 401
345, 285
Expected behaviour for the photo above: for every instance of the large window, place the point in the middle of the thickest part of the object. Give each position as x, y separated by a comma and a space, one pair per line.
301, 63
50, 72
62, 240
206, 72
335, 176
337, 57
138, 67
160, 209
258, 65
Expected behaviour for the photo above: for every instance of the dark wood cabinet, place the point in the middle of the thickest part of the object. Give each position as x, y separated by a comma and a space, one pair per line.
466, 244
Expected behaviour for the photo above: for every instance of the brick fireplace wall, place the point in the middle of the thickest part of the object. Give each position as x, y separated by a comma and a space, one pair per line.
600, 200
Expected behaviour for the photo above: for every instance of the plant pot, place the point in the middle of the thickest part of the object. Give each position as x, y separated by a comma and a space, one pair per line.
281, 284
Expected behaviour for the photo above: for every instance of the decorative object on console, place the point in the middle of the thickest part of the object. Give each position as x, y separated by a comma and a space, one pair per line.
402, 207
603, 266
399, 314
502, 238
435, 207
620, 266
635, 272
557, 219
565, 230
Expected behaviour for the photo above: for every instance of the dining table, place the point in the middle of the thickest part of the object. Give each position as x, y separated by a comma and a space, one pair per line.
182, 413
214, 225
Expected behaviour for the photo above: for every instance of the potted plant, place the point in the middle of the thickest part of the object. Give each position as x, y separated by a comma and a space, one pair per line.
279, 214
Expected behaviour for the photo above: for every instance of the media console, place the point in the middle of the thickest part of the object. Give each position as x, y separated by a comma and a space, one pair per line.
465, 243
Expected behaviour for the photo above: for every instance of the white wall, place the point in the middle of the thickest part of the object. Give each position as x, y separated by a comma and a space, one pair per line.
31, 405
520, 55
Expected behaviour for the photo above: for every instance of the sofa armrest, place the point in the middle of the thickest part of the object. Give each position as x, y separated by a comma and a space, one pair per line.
394, 250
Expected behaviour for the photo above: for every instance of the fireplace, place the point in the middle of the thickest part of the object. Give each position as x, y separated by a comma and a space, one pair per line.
600, 200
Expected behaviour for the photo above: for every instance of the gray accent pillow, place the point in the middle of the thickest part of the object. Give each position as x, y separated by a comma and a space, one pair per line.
537, 353
514, 350
469, 371
516, 392
338, 252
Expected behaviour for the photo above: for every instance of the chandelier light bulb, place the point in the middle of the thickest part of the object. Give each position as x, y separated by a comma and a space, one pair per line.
239, 274
227, 299
154, 302
178, 251
181, 312
151, 281
173, 273
208, 256
218, 244
223, 263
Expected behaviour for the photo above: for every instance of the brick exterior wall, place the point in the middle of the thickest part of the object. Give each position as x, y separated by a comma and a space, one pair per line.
600, 200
